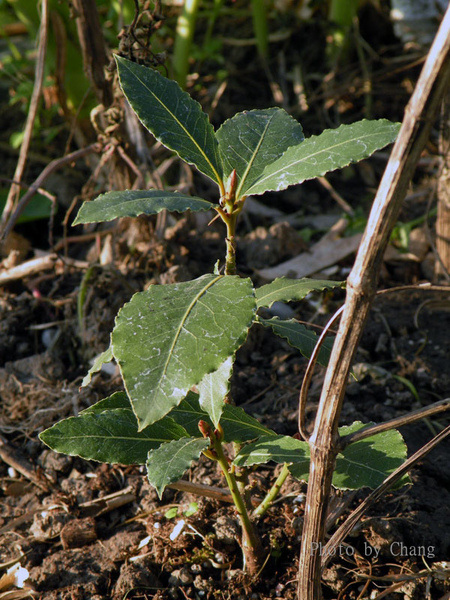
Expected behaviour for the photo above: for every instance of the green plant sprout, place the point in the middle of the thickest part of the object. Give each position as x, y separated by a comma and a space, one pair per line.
185, 33
176, 344
341, 14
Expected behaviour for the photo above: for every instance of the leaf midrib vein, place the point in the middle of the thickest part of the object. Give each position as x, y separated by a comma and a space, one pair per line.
304, 159
181, 326
253, 158
202, 152
174, 457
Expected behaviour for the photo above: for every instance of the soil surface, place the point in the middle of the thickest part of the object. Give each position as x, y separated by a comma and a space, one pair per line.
84, 530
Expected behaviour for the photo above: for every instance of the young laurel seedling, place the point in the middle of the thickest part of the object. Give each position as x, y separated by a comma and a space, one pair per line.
173, 339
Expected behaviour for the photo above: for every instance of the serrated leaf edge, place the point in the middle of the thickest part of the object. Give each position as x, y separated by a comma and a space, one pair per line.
324, 171
260, 303
79, 220
170, 480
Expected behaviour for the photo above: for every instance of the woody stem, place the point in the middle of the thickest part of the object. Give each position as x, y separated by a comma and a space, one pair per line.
230, 261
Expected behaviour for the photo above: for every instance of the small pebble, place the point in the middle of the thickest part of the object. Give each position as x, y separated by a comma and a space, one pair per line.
180, 577
195, 568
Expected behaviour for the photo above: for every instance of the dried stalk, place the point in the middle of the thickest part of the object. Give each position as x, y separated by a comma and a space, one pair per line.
36, 265
31, 117
93, 49
49, 169
324, 442
200, 489
412, 417
13, 458
307, 378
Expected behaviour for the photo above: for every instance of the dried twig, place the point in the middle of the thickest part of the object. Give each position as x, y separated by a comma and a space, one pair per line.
303, 396
202, 490
337, 197
11, 457
100, 506
442, 266
32, 112
324, 442
412, 417
93, 49
34, 187
37, 265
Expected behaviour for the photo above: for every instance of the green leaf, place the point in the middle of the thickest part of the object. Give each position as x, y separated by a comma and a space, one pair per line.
317, 155
171, 513
41, 207
116, 400
237, 425
168, 463
285, 290
169, 337
279, 448
251, 140
188, 413
132, 203
172, 116
300, 337
300, 470
213, 388
101, 359
110, 436
366, 463
191, 509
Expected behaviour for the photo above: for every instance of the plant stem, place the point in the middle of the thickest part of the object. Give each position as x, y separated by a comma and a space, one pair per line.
211, 22
13, 194
251, 546
230, 269
272, 493
81, 298
230, 261
412, 417
341, 15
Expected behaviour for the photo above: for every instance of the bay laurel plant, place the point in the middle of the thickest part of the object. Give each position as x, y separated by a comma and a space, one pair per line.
176, 344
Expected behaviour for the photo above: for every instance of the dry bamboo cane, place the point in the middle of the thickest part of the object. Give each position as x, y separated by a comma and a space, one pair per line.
419, 117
